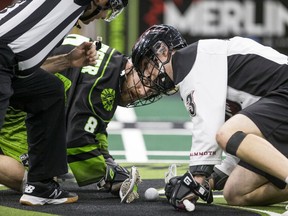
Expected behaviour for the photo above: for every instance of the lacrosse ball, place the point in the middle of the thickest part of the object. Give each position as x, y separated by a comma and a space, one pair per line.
151, 194
189, 206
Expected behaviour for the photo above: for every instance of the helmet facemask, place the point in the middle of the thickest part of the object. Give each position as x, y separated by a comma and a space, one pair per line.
130, 91
152, 71
157, 41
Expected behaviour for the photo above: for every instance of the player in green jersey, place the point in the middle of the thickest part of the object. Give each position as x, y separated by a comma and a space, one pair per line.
92, 96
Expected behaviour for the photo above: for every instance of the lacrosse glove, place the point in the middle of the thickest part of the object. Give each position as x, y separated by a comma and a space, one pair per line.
114, 177
184, 187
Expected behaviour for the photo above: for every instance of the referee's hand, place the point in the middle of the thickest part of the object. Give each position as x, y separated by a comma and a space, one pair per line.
83, 55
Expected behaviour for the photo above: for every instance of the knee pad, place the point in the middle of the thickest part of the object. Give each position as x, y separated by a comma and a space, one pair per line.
234, 142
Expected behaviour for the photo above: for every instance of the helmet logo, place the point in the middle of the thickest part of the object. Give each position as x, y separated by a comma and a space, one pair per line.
108, 98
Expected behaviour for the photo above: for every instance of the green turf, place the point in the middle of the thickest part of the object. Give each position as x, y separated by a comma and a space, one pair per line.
168, 142
115, 142
167, 109
15, 212
155, 170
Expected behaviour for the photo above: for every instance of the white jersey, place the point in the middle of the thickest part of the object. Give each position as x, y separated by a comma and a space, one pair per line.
221, 77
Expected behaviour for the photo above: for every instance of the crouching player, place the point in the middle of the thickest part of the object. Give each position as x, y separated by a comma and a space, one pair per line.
92, 96
250, 81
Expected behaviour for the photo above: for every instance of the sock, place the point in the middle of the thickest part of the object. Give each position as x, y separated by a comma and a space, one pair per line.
24, 181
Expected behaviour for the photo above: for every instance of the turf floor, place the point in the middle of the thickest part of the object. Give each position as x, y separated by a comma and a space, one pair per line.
99, 203
105, 204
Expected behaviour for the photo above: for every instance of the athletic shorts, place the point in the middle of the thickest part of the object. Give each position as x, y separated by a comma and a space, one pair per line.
13, 136
270, 114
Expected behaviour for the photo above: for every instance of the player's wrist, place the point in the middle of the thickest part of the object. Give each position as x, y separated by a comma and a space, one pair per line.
68, 60
199, 178
201, 170
217, 179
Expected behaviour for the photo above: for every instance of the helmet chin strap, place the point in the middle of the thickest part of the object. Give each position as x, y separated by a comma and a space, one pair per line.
166, 84
163, 80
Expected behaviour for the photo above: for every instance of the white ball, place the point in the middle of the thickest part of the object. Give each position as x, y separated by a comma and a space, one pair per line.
151, 194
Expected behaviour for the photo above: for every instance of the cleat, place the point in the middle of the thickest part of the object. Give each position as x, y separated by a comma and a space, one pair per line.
38, 193
129, 188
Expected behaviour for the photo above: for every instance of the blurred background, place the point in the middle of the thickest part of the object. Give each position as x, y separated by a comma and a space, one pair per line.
160, 132
263, 20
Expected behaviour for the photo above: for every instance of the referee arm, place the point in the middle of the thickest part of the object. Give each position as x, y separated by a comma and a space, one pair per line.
80, 56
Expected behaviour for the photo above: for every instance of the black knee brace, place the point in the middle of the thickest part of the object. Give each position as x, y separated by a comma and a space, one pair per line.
234, 142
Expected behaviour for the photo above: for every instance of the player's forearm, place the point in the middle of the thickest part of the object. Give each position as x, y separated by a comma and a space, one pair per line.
57, 63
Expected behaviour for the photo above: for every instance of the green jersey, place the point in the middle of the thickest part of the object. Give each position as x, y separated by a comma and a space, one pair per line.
92, 95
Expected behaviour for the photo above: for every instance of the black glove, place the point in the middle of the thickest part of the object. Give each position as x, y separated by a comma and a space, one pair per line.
184, 187
115, 176
169, 187
176, 196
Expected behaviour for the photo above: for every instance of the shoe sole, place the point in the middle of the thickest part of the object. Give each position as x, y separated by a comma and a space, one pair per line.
33, 200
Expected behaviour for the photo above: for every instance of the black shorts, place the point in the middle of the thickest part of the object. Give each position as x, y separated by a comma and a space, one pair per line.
270, 114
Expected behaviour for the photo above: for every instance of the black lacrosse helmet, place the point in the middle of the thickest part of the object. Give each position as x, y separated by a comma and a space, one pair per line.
145, 48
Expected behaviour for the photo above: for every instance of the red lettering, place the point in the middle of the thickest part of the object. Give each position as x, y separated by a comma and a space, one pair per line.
210, 153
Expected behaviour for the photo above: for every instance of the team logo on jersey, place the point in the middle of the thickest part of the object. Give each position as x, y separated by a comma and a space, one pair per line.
190, 104
108, 98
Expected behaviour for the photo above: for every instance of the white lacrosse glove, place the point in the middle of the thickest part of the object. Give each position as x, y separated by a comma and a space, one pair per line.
129, 188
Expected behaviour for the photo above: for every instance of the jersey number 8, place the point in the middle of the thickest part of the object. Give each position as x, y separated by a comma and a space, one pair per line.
91, 125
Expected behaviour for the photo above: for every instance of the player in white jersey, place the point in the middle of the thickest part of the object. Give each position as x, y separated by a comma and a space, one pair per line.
30, 30
237, 77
